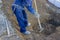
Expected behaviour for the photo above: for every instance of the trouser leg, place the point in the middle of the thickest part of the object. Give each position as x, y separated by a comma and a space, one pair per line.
25, 17
21, 21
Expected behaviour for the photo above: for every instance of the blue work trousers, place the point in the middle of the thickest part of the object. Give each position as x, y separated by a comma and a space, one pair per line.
21, 18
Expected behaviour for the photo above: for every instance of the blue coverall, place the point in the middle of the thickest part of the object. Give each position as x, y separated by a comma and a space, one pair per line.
18, 9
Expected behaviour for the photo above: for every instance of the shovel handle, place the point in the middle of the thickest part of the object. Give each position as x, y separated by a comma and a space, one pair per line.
37, 11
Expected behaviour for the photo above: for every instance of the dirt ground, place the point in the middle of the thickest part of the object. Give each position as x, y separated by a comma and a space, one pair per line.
36, 35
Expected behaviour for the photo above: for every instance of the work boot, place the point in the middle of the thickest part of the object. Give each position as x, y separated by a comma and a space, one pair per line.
29, 24
27, 33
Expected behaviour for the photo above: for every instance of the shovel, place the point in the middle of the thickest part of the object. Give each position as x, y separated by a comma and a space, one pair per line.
41, 28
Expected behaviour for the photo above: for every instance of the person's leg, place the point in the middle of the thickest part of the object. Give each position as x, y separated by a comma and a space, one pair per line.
19, 15
25, 17
27, 24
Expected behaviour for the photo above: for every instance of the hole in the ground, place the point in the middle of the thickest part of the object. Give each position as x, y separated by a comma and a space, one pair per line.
48, 28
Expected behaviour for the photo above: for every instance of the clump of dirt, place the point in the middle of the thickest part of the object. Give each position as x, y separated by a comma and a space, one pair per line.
36, 28
48, 28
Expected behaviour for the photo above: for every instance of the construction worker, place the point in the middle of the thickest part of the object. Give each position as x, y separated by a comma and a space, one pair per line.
19, 11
